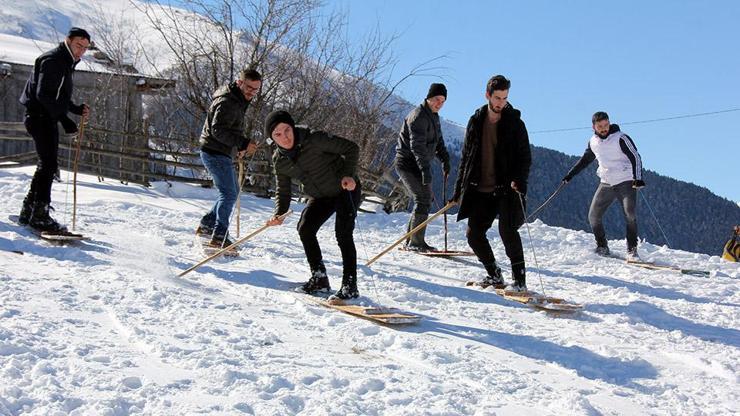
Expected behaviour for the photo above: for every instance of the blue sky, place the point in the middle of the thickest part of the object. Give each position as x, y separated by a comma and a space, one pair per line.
636, 60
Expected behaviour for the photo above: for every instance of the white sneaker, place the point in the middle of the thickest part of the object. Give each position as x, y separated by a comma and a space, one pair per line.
516, 288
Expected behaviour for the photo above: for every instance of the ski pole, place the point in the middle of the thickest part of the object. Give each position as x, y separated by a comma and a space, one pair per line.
531, 243
234, 244
444, 197
415, 229
80, 135
668, 243
547, 201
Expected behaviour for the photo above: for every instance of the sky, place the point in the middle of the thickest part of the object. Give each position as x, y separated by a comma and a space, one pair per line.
636, 60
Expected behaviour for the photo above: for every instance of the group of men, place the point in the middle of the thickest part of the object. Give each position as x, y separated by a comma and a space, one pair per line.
491, 179
493, 174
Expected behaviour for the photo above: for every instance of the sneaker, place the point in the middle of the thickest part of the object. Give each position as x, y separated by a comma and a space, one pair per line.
26, 211
318, 282
204, 231
42, 221
632, 255
602, 250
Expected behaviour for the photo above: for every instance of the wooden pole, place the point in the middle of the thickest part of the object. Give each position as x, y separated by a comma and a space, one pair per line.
415, 229
238, 199
225, 249
80, 135
444, 197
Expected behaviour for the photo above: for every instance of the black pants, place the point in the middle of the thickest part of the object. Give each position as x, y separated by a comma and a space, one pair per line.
605, 195
486, 206
46, 137
316, 213
421, 193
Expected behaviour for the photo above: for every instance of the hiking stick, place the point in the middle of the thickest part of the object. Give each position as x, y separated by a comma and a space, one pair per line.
80, 135
234, 244
417, 228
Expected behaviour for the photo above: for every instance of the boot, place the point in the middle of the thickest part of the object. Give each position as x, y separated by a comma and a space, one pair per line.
220, 241
416, 242
347, 291
318, 282
26, 211
519, 275
495, 278
204, 231
42, 221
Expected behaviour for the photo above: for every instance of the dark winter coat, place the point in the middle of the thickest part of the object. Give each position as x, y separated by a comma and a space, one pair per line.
223, 130
512, 155
318, 161
419, 140
48, 91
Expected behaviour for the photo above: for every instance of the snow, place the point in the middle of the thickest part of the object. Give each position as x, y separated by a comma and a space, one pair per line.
105, 326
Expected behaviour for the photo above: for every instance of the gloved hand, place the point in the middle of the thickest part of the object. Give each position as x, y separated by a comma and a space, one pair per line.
69, 126
637, 184
446, 167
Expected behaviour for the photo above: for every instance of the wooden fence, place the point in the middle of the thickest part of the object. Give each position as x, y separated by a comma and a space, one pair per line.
106, 154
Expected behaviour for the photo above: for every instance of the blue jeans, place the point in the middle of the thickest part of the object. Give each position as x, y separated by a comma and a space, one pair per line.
222, 170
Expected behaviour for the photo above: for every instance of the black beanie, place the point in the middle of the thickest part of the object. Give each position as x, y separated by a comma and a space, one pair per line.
77, 32
437, 89
273, 119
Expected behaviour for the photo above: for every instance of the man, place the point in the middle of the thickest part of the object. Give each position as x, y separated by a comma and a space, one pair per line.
620, 171
222, 138
419, 141
492, 182
47, 97
326, 167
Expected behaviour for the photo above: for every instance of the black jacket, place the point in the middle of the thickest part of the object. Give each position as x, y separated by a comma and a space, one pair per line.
48, 91
223, 130
512, 154
419, 140
318, 161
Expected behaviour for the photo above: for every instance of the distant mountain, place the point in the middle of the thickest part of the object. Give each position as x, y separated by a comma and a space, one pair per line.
692, 217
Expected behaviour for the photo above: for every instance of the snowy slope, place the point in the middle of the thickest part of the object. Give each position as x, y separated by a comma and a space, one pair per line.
106, 328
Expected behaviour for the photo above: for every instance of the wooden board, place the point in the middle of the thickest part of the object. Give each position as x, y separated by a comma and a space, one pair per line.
537, 301
655, 266
440, 253
379, 314
56, 238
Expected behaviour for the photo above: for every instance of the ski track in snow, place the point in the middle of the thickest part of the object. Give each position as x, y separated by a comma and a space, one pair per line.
105, 326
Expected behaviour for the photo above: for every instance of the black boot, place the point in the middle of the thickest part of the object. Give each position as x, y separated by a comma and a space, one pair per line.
42, 221
318, 282
26, 210
495, 278
519, 275
347, 291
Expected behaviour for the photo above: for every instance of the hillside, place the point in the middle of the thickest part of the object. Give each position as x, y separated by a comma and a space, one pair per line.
105, 327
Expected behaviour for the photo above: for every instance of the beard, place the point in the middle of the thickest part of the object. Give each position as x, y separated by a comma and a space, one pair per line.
497, 111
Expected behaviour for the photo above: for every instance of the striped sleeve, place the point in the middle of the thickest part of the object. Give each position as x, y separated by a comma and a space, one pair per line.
629, 149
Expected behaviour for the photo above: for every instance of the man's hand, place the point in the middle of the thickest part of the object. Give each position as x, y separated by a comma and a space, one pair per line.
637, 184
348, 183
446, 167
275, 220
518, 187
567, 178
251, 148
85, 110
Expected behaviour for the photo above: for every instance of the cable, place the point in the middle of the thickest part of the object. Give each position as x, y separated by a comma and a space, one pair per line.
642, 121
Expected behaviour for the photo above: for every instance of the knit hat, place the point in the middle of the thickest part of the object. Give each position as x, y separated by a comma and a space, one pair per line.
77, 32
273, 119
437, 89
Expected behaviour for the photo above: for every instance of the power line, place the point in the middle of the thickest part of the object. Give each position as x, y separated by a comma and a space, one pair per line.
642, 121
